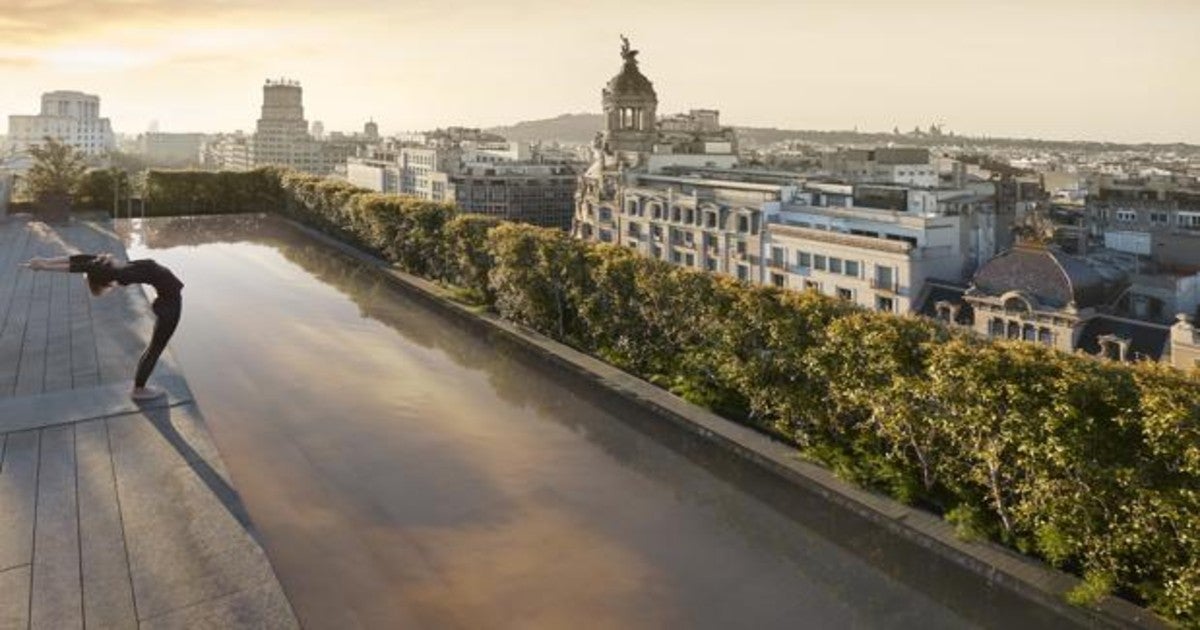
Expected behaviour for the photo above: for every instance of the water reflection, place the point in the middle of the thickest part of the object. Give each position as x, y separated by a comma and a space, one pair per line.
406, 469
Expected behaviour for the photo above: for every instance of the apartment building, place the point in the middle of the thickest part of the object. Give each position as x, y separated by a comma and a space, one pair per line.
481, 173
1154, 217
883, 165
878, 258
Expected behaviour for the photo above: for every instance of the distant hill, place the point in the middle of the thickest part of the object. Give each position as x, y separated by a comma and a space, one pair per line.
572, 128
582, 128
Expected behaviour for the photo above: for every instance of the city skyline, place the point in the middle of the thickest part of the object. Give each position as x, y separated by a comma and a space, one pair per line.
1061, 70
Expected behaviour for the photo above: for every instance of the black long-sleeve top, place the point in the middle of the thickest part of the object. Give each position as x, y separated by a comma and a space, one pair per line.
144, 271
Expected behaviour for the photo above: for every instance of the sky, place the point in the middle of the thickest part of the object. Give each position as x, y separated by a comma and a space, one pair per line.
1058, 69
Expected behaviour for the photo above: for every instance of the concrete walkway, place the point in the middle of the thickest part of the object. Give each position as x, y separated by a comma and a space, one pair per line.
112, 514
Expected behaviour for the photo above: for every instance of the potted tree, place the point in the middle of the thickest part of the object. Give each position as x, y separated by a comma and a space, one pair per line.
52, 180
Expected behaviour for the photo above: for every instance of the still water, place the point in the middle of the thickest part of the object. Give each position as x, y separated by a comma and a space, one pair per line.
407, 471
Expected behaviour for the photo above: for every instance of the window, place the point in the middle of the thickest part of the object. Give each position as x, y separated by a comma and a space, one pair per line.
689, 260
606, 236
676, 257
778, 257
1126, 216
884, 277
675, 214
1159, 218
605, 214
812, 285
845, 294
818, 262
1188, 220
711, 264
710, 219
852, 268
778, 280
635, 230
803, 259
1045, 336
743, 224
835, 264
743, 272
885, 304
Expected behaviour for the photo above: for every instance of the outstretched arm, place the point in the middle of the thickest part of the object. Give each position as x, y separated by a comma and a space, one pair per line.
62, 263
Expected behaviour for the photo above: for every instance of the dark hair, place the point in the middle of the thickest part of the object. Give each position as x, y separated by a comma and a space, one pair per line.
100, 278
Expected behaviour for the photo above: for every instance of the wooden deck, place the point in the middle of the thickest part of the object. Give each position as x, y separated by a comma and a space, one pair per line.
112, 514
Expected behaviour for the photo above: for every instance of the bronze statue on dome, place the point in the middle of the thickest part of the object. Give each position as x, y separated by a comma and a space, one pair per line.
629, 55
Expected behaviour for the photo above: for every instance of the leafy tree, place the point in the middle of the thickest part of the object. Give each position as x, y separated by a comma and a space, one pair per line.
57, 169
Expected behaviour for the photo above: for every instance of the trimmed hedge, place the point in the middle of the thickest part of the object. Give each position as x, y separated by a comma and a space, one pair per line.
1091, 465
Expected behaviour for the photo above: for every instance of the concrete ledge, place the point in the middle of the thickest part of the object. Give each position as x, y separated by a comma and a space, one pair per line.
1029, 578
69, 406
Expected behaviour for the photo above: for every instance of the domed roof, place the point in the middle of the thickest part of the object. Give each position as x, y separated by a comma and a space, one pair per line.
1045, 273
630, 81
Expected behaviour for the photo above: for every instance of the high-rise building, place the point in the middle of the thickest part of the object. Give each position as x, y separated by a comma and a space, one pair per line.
72, 118
281, 137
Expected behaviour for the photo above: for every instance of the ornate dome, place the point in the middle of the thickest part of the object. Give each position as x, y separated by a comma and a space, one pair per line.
1045, 273
630, 81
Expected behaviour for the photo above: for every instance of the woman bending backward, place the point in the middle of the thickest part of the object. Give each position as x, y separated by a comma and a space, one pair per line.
102, 273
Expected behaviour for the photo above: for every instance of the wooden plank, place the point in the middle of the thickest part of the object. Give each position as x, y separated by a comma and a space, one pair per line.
85, 369
107, 590
31, 374
18, 495
57, 596
13, 253
58, 344
14, 598
13, 336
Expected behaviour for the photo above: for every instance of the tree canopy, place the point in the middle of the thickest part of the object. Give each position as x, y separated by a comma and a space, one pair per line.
57, 169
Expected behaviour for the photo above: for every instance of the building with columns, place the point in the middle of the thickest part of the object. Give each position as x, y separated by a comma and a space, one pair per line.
72, 118
672, 189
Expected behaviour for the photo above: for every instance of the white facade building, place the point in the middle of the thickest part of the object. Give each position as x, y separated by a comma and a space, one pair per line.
72, 118
879, 259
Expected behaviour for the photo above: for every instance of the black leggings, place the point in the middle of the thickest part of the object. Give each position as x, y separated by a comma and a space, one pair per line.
167, 308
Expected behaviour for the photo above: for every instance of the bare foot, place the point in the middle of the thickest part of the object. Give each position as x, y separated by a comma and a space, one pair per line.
146, 393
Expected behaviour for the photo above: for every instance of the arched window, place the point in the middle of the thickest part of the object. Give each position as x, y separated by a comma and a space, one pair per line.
1028, 332
997, 328
1015, 305
1014, 330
